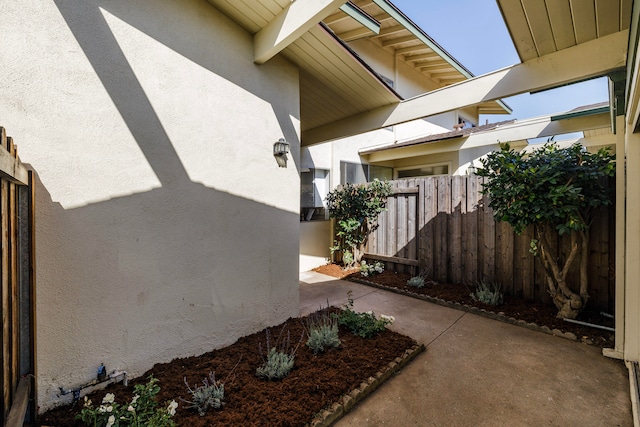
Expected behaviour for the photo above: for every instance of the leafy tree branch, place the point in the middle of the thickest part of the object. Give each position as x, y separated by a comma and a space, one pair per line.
556, 190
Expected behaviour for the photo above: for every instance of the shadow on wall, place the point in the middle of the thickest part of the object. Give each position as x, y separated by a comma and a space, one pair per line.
174, 271
88, 25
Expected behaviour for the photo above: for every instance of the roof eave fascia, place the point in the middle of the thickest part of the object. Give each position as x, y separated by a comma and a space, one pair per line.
361, 16
422, 36
357, 58
507, 109
582, 113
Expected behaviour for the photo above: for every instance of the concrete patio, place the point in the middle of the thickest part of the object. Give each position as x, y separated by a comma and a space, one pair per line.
478, 371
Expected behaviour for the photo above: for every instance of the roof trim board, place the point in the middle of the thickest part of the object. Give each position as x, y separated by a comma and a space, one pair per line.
361, 16
581, 113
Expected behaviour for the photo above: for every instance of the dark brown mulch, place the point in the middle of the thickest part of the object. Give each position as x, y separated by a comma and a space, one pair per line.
518, 308
316, 382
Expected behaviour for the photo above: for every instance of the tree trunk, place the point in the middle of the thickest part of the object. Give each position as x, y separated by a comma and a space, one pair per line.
568, 302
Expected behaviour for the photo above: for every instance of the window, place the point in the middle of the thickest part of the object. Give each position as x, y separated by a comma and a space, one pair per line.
465, 123
428, 170
357, 173
314, 186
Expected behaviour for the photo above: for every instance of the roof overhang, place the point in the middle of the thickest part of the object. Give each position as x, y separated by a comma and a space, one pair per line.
334, 82
591, 59
581, 119
538, 29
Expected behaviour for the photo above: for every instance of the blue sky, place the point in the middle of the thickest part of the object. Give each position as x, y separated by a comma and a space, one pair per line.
473, 32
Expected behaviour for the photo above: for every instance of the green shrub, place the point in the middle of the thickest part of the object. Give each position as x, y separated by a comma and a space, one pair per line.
356, 209
277, 365
279, 359
371, 269
365, 325
142, 410
209, 395
419, 280
416, 282
488, 293
322, 329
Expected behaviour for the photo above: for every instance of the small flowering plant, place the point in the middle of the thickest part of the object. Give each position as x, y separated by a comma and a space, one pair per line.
141, 411
371, 269
365, 325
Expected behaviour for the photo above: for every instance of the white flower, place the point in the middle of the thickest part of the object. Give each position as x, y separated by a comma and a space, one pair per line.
388, 319
111, 421
135, 399
102, 408
172, 407
87, 401
131, 409
108, 398
109, 408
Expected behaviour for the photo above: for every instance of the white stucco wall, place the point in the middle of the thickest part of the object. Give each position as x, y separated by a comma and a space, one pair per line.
315, 240
164, 226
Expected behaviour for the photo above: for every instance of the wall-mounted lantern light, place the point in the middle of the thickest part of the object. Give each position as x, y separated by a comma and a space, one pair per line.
280, 150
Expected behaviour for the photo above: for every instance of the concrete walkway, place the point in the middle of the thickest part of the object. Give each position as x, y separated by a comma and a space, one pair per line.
477, 371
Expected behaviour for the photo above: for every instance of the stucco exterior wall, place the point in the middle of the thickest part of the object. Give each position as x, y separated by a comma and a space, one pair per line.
450, 158
315, 240
165, 227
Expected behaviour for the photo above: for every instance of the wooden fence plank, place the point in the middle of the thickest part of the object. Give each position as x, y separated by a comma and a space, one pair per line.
412, 229
18, 410
4, 327
470, 231
488, 243
6, 297
10, 166
16, 286
504, 256
400, 249
458, 193
392, 228
523, 269
13, 275
420, 228
442, 248
428, 224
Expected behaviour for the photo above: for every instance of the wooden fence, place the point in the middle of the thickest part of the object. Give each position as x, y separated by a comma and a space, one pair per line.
18, 286
441, 226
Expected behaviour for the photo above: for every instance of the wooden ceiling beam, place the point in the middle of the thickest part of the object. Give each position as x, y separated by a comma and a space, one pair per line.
286, 27
398, 40
422, 57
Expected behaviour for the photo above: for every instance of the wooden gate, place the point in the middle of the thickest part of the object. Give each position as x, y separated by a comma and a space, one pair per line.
396, 238
18, 287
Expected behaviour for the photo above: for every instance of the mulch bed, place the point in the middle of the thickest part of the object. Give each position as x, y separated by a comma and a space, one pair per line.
542, 316
318, 390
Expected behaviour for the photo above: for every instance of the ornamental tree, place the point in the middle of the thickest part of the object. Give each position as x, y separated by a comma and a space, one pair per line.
356, 209
556, 190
